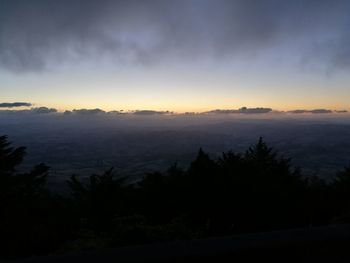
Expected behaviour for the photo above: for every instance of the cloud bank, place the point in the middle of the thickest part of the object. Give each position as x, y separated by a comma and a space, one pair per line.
38, 34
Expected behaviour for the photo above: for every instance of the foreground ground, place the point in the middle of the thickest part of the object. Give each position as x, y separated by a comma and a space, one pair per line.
321, 244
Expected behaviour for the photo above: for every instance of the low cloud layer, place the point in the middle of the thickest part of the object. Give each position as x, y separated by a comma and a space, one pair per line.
151, 112
38, 34
14, 104
100, 112
317, 111
86, 111
38, 110
243, 110
43, 110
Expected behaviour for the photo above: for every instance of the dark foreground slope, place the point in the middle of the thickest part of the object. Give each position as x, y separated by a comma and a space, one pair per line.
321, 244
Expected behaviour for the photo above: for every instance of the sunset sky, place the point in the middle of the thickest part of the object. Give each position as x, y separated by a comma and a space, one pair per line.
183, 55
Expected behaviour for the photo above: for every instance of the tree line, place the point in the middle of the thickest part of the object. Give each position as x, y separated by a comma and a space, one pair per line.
258, 190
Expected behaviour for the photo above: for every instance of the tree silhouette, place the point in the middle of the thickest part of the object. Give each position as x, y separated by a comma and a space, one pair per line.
32, 220
14, 183
258, 190
341, 193
100, 199
9, 157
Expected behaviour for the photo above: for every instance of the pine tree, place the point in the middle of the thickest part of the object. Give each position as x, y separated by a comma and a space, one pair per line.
21, 194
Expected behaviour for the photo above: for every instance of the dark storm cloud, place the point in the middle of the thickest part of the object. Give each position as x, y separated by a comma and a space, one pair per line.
14, 104
38, 34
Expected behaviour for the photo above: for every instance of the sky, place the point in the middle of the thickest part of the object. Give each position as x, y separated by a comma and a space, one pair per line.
184, 55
